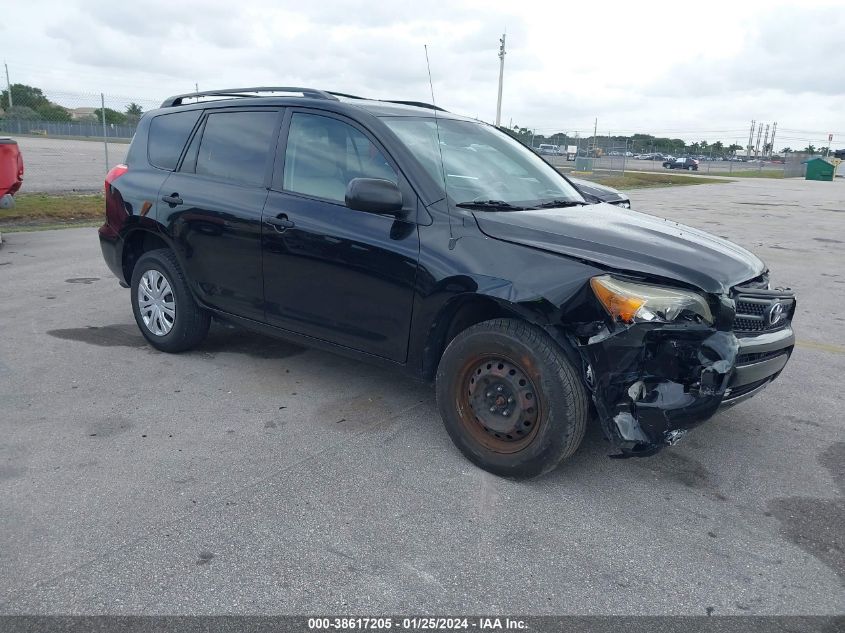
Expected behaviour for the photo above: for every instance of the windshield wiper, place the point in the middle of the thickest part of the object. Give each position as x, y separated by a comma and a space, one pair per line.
554, 204
500, 205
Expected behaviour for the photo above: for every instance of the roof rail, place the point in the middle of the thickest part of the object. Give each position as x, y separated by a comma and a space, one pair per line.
418, 104
343, 94
246, 92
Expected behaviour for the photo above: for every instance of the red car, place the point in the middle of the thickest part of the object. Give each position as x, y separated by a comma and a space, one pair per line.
11, 172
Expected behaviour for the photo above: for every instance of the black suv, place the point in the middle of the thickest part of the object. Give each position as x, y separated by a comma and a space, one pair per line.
690, 164
401, 234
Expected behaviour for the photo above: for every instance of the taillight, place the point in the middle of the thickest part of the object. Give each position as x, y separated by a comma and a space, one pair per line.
115, 210
114, 173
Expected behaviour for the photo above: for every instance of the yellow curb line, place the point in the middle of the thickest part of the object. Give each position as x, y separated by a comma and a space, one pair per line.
822, 347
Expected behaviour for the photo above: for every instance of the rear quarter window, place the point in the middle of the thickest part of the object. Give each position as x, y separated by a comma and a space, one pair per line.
167, 137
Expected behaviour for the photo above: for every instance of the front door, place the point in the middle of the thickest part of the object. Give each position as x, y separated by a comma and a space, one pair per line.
332, 273
211, 207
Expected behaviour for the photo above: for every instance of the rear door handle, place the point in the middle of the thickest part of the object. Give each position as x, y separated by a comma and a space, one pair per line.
173, 199
281, 222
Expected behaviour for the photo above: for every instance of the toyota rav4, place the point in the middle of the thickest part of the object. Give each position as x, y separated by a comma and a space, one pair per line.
401, 234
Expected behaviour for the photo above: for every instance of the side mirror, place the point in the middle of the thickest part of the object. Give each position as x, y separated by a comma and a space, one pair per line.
374, 195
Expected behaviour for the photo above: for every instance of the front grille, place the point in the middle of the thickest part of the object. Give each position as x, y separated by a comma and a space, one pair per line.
756, 357
753, 312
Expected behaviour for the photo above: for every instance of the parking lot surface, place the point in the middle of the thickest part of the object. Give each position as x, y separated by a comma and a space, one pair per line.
65, 165
254, 476
705, 167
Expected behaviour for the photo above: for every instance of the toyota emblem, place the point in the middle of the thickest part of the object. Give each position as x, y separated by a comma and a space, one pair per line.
775, 314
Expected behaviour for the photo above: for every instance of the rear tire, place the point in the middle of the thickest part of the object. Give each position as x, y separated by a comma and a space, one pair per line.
510, 399
164, 307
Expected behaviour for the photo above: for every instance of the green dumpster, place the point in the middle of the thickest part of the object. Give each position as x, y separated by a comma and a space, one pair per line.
819, 169
582, 163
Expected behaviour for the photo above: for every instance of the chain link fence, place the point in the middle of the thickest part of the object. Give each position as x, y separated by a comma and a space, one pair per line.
69, 140
581, 151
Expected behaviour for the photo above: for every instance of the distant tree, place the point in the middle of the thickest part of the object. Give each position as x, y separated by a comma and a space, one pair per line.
786, 150
23, 95
822, 150
133, 112
21, 113
558, 138
734, 147
52, 112
717, 147
810, 149
112, 116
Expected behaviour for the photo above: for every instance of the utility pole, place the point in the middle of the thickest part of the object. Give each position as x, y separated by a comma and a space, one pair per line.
105, 131
772, 141
750, 140
196, 87
501, 79
8, 85
595, 135
757, 146
766, 141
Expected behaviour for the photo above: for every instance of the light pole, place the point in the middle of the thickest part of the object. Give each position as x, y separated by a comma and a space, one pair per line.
501, 78
9, 85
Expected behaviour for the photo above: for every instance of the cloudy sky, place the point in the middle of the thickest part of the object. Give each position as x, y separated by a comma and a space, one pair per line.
694, 69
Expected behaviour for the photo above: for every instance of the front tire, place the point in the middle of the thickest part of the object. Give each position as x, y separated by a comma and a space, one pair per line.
510, 399
164, 308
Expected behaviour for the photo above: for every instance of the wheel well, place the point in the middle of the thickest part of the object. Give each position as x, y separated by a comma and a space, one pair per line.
455, 319
135, 245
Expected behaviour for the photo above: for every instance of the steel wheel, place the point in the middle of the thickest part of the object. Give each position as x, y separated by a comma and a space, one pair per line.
498, 404
156, 302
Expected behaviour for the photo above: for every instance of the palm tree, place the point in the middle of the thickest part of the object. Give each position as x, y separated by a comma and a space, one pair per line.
134, 112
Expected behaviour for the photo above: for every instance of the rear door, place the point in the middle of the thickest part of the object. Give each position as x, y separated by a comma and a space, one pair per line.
211, 206
332, 273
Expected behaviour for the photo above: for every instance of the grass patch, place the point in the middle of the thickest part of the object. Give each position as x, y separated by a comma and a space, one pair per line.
750, 173
641, 180
41, 210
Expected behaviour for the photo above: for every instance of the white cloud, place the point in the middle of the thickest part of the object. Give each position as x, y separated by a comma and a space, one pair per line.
682, 69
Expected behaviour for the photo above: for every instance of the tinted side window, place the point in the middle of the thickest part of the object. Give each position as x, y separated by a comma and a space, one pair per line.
168, 133
235, 146
324, 154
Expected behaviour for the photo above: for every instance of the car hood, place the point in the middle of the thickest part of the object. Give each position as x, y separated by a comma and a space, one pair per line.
628, 240
602, 192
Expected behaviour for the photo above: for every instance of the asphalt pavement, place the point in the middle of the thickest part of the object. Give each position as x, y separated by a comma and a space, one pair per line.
255, 476
57, 165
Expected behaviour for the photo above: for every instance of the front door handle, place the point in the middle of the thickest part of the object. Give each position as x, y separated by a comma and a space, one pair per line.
281, 222
173, 199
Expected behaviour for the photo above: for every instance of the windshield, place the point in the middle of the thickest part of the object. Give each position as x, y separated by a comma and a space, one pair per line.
483, 167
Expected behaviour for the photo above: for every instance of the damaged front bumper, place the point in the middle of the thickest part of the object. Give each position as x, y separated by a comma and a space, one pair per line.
653, 382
